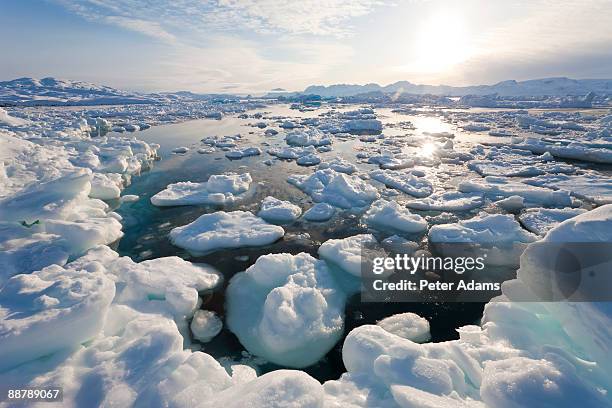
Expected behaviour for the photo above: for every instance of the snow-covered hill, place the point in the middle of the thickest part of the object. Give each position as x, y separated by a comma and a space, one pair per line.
51, 91
535, 87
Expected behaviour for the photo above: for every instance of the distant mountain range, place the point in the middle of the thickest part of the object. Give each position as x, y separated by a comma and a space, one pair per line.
51, 91
534, 87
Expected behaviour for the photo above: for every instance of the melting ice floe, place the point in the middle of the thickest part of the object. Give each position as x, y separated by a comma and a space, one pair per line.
219, 189
287, 309
278, 211
223, 230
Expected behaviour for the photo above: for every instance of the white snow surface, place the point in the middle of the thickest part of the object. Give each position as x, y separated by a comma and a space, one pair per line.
219, 189
346, 253
387, 216
541, 220
497, 188
278, 211
224, 230
286, 308
408, 182
500, 236
338, 189
448, 201
408, 326
319, 212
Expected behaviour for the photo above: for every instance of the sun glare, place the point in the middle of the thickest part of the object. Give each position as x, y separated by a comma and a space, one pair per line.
427, 150
441, 43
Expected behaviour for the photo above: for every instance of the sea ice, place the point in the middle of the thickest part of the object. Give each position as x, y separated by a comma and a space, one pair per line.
408, 326
389, 216
106, 186
500, 236
278, 211
591, 185
362, 125
63, 306
448, 201
286, 308
346, 253
205, 325
541, 220
340, 165
319, 212
407, 182
497, 188
338, 189
239, 154
308, 137
219, 189
180, 150
223, 230
308, 160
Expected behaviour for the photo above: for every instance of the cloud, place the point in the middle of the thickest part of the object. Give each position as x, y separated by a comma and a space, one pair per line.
149, 28
162, 18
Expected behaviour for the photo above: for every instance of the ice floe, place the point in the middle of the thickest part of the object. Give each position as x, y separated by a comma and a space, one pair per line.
448, 201
408, 326
407, 182
278, 211
591, 185
224, 230
286, 308
319, 212
541, 220
346, 253
389, 216
205, 325
497, 188
308, 137
219, 189
500, 236
338, 189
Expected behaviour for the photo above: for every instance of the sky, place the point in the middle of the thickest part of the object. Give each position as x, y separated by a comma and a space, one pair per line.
240, 46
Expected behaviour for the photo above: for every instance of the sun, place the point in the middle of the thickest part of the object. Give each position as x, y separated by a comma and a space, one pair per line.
441, 43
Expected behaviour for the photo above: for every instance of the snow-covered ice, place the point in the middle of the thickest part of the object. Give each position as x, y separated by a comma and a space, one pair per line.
278, 211
346, 253
219, 189
541, 220
319, 212
407, 325
386, 216
590, 186
205, 325
223, 230
448, 201
497, 188
500, 236
308, 137
338, 189
286, 308
407, 182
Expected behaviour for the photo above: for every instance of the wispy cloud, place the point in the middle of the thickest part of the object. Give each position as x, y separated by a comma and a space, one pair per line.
162, 19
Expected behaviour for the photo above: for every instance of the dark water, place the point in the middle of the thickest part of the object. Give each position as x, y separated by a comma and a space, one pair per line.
146, 227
